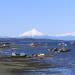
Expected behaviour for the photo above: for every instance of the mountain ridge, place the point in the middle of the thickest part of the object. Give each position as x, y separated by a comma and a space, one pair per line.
34, 33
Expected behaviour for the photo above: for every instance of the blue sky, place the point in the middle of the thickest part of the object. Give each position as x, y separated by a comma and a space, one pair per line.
49, 16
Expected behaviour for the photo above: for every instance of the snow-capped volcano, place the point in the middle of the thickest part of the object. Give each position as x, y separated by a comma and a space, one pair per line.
32, 33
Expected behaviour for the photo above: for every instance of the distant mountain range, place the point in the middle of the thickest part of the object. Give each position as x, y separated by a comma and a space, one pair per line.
34, 33
68, 37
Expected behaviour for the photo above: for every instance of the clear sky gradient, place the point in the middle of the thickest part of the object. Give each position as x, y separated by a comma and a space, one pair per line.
49, 16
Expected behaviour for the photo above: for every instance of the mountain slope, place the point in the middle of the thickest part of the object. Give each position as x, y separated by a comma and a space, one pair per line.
34, 32
66, 36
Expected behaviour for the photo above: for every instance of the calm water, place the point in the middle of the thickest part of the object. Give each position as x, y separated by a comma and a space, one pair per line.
65, 60
50, 71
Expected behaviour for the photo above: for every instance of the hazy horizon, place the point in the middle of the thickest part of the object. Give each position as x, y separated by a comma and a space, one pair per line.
49, 16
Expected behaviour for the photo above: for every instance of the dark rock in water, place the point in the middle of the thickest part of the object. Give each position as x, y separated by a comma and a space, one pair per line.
64, 50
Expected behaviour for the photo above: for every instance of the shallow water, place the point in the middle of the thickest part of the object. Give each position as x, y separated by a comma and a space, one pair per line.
48, 71
55, 71
65, 60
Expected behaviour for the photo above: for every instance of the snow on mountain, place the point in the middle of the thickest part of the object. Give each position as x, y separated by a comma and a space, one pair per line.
32, 33
66, 34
